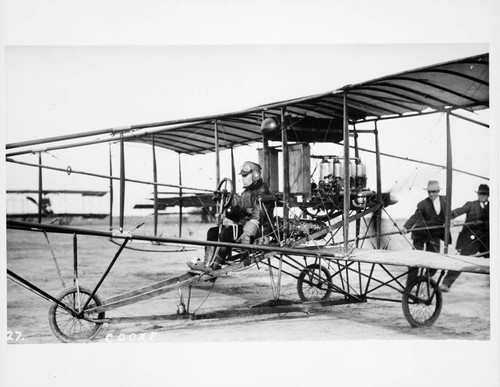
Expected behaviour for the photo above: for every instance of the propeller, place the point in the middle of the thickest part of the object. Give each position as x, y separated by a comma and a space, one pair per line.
32, 200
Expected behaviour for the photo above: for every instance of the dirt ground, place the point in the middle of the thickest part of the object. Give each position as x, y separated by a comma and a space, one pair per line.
465, 314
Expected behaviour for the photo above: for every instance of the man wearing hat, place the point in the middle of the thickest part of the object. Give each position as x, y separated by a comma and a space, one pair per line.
249, 218
428, 223
475, 235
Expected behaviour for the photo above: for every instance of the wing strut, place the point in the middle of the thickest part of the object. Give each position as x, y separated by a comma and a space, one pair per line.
155, 186
40, 187
286, 176
378, 213
181, 202
347, 188
217, 156
449, 183
122, 182
233, 168
111, 192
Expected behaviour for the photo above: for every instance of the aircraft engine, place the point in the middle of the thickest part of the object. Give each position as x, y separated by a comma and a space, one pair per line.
329, 189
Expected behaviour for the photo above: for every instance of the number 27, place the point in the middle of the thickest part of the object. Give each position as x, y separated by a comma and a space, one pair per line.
13, 335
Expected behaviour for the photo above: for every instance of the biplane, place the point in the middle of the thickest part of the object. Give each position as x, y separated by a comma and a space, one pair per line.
44, 205
204, 203
319, 227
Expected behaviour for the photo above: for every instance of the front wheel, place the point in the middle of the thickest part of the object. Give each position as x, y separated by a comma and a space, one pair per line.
70, 327
422, 302
314, 283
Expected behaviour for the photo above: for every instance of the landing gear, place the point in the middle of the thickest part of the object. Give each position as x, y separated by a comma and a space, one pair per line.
70, 325
422, 302
313, 283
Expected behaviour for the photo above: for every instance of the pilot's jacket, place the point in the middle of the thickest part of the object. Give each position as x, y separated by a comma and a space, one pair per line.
256, 209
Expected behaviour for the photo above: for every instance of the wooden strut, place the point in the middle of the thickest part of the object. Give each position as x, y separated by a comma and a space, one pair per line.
122, 183
111, 192
75, 260
181, 201
19, 225
286, 177
356, 154
36, 290
155, 186
449, 184
347, 186
40, 187
105, 274
217, 155
378, 214
189, 280
233, 167
307, 308
169, 284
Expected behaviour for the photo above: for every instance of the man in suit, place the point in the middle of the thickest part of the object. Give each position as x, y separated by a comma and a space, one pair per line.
475, 235
428, 222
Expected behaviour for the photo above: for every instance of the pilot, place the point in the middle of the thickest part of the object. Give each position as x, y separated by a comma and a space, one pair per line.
247, 220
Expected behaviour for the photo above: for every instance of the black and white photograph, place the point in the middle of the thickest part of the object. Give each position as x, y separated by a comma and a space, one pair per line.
185, 203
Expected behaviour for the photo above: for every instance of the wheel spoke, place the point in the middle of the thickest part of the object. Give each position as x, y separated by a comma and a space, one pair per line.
422, 302
69, 327
312, 284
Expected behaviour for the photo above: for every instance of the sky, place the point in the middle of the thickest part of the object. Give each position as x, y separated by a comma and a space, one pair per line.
73, 66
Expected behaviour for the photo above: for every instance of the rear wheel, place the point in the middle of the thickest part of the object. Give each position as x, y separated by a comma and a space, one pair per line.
313, 283
67, 326
422, 302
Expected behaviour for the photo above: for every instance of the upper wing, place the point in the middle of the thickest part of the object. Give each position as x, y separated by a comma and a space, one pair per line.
459, 84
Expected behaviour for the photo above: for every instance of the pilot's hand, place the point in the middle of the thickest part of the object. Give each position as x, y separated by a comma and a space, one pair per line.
226, 221
404, 230
216, 196
265, 240
244, 239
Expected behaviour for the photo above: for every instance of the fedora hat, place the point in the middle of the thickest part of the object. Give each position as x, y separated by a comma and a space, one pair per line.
433, 185
483, 189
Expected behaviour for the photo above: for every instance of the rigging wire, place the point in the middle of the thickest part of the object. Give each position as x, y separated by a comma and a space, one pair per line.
54, 259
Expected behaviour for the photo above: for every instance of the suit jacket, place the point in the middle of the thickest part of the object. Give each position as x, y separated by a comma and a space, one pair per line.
474, 236
425, 216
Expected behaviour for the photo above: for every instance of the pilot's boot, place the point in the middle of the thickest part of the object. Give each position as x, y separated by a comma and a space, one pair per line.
217, 263
211, 253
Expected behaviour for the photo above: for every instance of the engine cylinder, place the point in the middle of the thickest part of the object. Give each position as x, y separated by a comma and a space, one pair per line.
325, 170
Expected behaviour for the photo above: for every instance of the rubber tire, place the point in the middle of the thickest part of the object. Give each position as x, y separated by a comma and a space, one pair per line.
55, 316
303, 280
412, 309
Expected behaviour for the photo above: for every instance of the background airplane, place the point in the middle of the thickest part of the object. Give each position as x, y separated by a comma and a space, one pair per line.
51, 205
